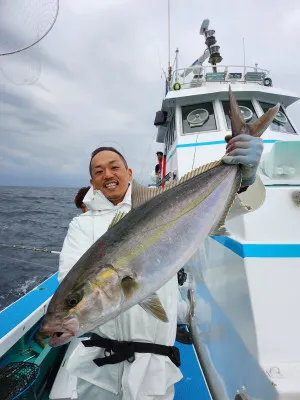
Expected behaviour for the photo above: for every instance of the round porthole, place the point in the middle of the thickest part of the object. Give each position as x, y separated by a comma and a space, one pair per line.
280, 118
246, 113
197, 117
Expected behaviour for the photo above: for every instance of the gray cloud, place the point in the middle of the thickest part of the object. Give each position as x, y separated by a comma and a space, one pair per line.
27, 111
100, 79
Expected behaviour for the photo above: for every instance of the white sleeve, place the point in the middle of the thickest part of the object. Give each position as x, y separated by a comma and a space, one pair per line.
76, 243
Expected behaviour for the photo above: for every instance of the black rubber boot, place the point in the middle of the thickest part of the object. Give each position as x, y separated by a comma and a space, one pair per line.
183, 335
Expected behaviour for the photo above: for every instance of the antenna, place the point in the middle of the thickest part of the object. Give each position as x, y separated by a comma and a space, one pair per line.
176, 65
169, 48
210, 42
204, 26
244, 56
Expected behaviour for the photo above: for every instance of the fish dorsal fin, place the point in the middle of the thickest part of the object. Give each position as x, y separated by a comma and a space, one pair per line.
117, 218
236, 117
142, 194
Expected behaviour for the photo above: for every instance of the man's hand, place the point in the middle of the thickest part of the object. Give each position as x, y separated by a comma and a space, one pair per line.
245, 150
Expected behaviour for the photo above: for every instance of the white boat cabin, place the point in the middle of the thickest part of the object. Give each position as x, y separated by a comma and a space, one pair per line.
246, 328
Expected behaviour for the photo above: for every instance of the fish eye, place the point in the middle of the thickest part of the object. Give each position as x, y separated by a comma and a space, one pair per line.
74, 298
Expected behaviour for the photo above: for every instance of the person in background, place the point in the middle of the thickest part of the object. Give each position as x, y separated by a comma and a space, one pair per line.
158, 168
160, 159
79, 198
158, 175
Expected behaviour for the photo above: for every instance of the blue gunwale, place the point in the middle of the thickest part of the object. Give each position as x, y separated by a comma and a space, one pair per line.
14, 314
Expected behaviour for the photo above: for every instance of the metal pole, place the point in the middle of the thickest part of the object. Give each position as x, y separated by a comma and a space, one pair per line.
169, 47
176, 63
244, 56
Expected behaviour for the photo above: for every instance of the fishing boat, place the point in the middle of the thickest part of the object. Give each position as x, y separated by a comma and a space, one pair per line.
242, 288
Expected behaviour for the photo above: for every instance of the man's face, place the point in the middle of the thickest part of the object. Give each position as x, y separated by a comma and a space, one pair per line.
159, 157
110, 175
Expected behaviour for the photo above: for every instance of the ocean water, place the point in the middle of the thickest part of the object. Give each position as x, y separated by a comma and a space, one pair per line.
34, 217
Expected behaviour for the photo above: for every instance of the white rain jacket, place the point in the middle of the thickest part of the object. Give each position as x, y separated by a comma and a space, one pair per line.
150, 374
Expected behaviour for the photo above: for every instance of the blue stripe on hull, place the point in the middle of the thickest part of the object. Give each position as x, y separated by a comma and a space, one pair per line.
184, 145
260, 250
13, 315
180, 146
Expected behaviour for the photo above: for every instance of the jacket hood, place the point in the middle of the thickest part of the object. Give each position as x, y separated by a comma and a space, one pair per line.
96, 201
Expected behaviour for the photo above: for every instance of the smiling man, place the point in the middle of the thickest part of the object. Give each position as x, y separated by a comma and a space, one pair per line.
152, 374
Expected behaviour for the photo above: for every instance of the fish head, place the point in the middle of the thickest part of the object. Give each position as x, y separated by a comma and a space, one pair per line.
78, 308
238, 124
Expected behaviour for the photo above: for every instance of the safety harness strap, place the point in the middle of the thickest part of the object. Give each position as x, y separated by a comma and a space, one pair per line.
117, 351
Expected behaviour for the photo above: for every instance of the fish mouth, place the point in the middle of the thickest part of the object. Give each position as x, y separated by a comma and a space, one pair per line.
60, 338
60, 333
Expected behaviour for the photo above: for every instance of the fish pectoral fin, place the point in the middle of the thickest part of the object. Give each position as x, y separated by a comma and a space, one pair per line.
129, 286
221, 231
153, 306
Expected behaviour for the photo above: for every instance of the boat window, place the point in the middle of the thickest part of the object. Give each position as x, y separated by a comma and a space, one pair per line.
170, 136
280, 122
198, 118
246, 108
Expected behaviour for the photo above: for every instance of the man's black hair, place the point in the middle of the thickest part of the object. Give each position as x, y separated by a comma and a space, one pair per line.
159, 152
100, 149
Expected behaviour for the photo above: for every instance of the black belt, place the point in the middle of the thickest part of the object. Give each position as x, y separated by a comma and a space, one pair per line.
116, 351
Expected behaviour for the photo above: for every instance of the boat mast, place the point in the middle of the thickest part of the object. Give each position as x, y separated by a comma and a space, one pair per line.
210, 42
169, 49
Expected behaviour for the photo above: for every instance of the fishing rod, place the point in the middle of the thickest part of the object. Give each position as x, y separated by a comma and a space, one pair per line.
37, 249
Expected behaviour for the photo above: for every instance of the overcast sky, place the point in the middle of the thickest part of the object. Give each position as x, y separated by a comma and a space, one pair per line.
100, 83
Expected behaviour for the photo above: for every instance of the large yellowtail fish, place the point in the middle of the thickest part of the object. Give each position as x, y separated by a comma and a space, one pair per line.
145, 248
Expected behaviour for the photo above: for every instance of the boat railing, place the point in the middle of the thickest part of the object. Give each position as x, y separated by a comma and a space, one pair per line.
198, 75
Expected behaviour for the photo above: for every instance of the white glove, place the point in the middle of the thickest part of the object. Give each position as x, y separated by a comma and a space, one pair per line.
245, 150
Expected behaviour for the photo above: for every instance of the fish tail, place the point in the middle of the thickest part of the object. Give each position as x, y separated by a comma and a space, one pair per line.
257, 128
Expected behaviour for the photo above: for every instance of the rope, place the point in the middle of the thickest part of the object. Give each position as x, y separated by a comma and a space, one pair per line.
24, 261
17, 246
